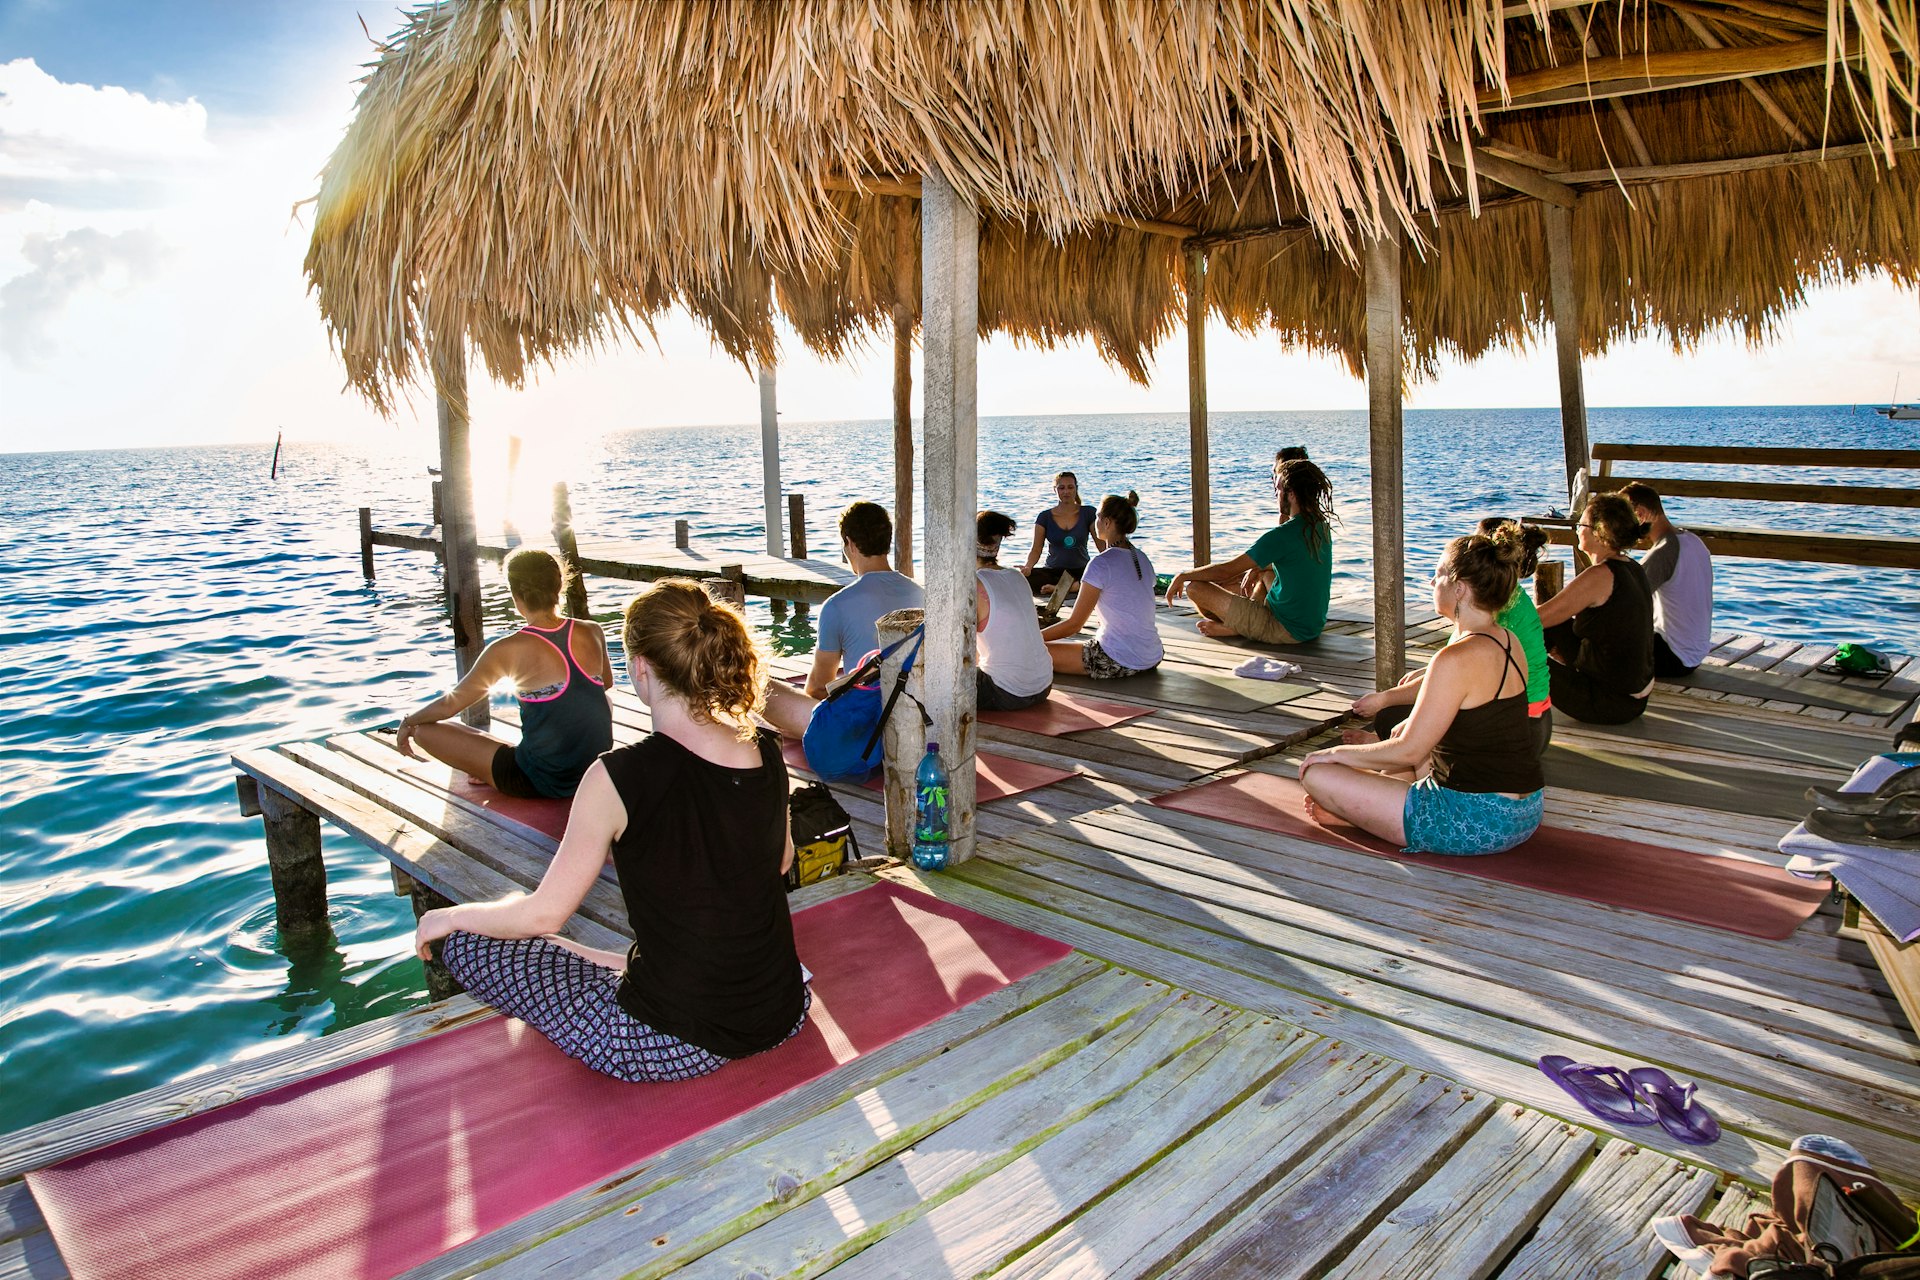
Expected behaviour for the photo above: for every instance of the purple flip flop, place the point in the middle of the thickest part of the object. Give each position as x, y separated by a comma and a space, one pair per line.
1674, 1106
1608, 1092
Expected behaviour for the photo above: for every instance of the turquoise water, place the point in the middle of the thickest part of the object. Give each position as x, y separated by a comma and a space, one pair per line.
172, 606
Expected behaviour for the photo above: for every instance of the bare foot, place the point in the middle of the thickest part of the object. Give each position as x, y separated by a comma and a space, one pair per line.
1358, 737
1215, 630
1313, 810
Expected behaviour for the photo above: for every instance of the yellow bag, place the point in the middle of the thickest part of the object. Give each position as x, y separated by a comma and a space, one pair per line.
823, 839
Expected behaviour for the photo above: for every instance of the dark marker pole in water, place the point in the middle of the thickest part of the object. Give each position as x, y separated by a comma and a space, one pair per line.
275, 474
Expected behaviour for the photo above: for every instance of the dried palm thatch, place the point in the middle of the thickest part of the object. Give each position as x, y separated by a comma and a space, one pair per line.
542, 177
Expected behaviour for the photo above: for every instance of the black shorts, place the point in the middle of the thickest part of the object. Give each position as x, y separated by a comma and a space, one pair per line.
509, 779
1043, 580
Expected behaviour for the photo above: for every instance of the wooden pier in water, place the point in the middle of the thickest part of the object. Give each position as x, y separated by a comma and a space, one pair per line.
1267, 1058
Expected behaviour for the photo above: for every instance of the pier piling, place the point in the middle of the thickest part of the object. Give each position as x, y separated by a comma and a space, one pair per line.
293, 857
682, 534
797, 524
569, 551
366, 543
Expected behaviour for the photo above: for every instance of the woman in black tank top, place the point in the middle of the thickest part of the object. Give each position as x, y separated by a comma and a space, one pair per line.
1462, 775
560, 671
1599, 630
694, 818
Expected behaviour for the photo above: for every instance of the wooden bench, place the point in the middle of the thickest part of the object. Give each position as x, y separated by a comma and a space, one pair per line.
1882, 550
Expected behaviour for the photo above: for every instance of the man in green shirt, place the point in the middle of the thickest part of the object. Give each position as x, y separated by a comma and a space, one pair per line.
1289, 569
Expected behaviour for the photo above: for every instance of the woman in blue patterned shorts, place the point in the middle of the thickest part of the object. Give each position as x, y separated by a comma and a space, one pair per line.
1462, 774
694, 818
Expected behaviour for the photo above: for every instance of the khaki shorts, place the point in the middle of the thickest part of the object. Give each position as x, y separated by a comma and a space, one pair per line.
1252, 619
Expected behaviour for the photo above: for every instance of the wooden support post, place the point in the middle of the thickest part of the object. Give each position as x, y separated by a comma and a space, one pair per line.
730, 587
366, 543
293, 859
681, 534
1385, 355
435, 487
440, 983
950, 324
1197, 405
906, 734
1548, 579
1564, 297
569, 546
903, 440
770, 456
797, 524
458, 535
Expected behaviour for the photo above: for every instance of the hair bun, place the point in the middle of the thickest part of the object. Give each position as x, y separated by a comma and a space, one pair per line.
1133, 499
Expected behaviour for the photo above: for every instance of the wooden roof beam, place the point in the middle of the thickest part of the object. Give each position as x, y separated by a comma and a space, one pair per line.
1521, 155
1737, 18
1596, 79
1508, 174
1768, 104
1736, 164
909, 186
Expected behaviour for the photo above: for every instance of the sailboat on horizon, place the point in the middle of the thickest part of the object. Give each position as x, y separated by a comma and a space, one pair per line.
1895, 410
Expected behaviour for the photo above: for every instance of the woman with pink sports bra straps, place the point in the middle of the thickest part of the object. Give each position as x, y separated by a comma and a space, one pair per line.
561, 673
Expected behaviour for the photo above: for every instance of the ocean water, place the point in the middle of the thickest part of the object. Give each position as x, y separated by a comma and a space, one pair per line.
172, 606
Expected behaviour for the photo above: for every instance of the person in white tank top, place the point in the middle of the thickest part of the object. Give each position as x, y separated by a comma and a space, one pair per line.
1014, 669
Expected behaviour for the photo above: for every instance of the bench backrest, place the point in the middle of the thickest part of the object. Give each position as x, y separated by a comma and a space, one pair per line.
1603, 479
1887, 550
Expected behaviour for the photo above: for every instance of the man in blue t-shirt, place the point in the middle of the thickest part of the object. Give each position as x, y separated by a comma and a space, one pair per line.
845, 629
1293, 564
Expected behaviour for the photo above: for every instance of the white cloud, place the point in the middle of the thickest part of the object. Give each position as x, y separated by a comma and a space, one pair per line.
90, 146
58, 267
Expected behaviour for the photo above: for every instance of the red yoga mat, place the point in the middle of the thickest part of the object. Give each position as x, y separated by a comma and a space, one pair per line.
383, 1164
548, 817
1723, 893
1066, 712
995, 777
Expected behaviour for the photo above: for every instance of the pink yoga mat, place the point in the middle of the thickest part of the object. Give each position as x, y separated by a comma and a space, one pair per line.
1064, 712
379, 1166
1724, 893
995, 777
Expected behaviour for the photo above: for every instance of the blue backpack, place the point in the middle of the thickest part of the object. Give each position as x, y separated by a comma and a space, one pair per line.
842, 741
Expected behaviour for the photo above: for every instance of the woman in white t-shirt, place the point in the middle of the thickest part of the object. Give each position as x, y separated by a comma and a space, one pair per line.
1013, 670
1119, 585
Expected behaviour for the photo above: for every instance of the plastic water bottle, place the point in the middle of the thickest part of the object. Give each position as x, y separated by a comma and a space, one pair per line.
930, 812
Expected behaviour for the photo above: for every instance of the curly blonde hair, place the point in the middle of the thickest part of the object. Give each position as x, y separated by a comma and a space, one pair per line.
701, 650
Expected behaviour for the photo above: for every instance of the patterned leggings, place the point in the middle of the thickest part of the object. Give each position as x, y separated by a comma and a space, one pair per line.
572, 1001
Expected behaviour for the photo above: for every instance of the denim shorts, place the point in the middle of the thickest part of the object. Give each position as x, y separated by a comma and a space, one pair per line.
1465, 823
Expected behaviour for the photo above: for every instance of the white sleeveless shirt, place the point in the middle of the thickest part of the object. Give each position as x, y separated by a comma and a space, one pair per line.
1011, 650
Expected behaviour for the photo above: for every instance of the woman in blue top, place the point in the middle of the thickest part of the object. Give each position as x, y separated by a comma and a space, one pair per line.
561, 673
1287, 600
1065, 530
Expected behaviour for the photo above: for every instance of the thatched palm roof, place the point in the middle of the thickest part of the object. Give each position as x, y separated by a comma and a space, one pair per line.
537, 177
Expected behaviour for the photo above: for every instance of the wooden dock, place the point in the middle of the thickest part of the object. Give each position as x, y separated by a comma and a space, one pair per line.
802, 580
1267, 1058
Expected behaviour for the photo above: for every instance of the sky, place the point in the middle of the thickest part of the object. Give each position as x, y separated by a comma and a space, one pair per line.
154, 155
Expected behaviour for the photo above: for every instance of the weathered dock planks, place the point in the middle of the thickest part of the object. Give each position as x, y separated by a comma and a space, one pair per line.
1269, 1058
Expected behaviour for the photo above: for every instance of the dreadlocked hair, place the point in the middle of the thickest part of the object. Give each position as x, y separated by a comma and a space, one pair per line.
1312, 497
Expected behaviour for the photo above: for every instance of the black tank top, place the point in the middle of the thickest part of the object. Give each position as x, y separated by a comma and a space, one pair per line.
1491, 747
713, 960
1616, 638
